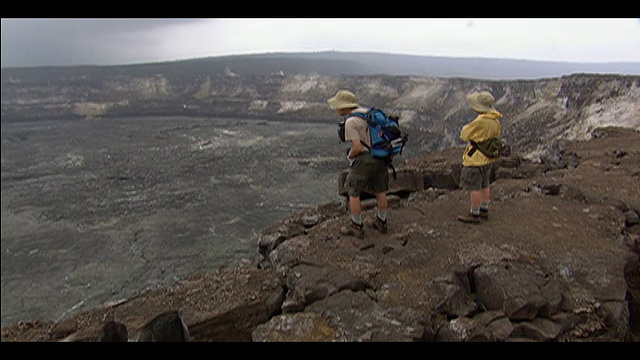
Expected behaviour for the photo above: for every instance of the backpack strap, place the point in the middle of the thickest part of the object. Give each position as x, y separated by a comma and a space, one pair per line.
357, 114
393, 169
474, 147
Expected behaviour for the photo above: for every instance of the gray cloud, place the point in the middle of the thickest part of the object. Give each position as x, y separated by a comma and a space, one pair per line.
37, 42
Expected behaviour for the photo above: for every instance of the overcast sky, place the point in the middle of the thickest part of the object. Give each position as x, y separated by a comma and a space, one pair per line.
42, 41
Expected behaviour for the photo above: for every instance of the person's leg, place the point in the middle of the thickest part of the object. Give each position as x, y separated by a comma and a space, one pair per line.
382, 205
484, 203
470, 180
355, 182
485, 191
356, 226
380, 223
380, 185
476, 200
355, 208
486, 195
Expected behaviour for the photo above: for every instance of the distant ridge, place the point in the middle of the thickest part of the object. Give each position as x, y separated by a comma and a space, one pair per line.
361, 63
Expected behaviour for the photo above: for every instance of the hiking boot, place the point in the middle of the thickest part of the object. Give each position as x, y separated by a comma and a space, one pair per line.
353, 230
484, 214
469, 218
380, 225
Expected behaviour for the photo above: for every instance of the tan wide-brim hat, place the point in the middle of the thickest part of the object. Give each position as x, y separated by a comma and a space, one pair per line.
481, 101
344, 99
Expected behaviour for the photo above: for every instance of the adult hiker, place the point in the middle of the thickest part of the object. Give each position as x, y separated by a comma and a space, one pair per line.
366, 173
476, 166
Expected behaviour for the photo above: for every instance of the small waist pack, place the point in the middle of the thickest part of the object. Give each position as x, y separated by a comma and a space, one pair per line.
493, 148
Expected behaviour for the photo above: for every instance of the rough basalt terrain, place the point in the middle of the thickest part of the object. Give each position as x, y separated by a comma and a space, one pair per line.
557, 260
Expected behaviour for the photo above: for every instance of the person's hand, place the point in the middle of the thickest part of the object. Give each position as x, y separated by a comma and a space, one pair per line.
350, 160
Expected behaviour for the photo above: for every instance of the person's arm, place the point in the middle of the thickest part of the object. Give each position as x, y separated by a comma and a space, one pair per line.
471, 131
351, 133
356, 148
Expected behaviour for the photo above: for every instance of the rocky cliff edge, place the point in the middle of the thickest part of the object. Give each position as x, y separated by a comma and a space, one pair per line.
557, 260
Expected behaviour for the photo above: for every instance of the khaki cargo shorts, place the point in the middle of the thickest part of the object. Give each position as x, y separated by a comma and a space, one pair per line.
475, 178
367, 174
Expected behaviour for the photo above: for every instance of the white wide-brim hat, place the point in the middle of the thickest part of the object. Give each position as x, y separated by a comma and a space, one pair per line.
344, 99
481, 101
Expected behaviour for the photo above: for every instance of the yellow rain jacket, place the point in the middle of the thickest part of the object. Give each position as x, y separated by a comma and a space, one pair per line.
484, 127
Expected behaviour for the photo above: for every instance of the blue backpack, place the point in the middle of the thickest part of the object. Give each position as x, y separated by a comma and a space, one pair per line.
387, 140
